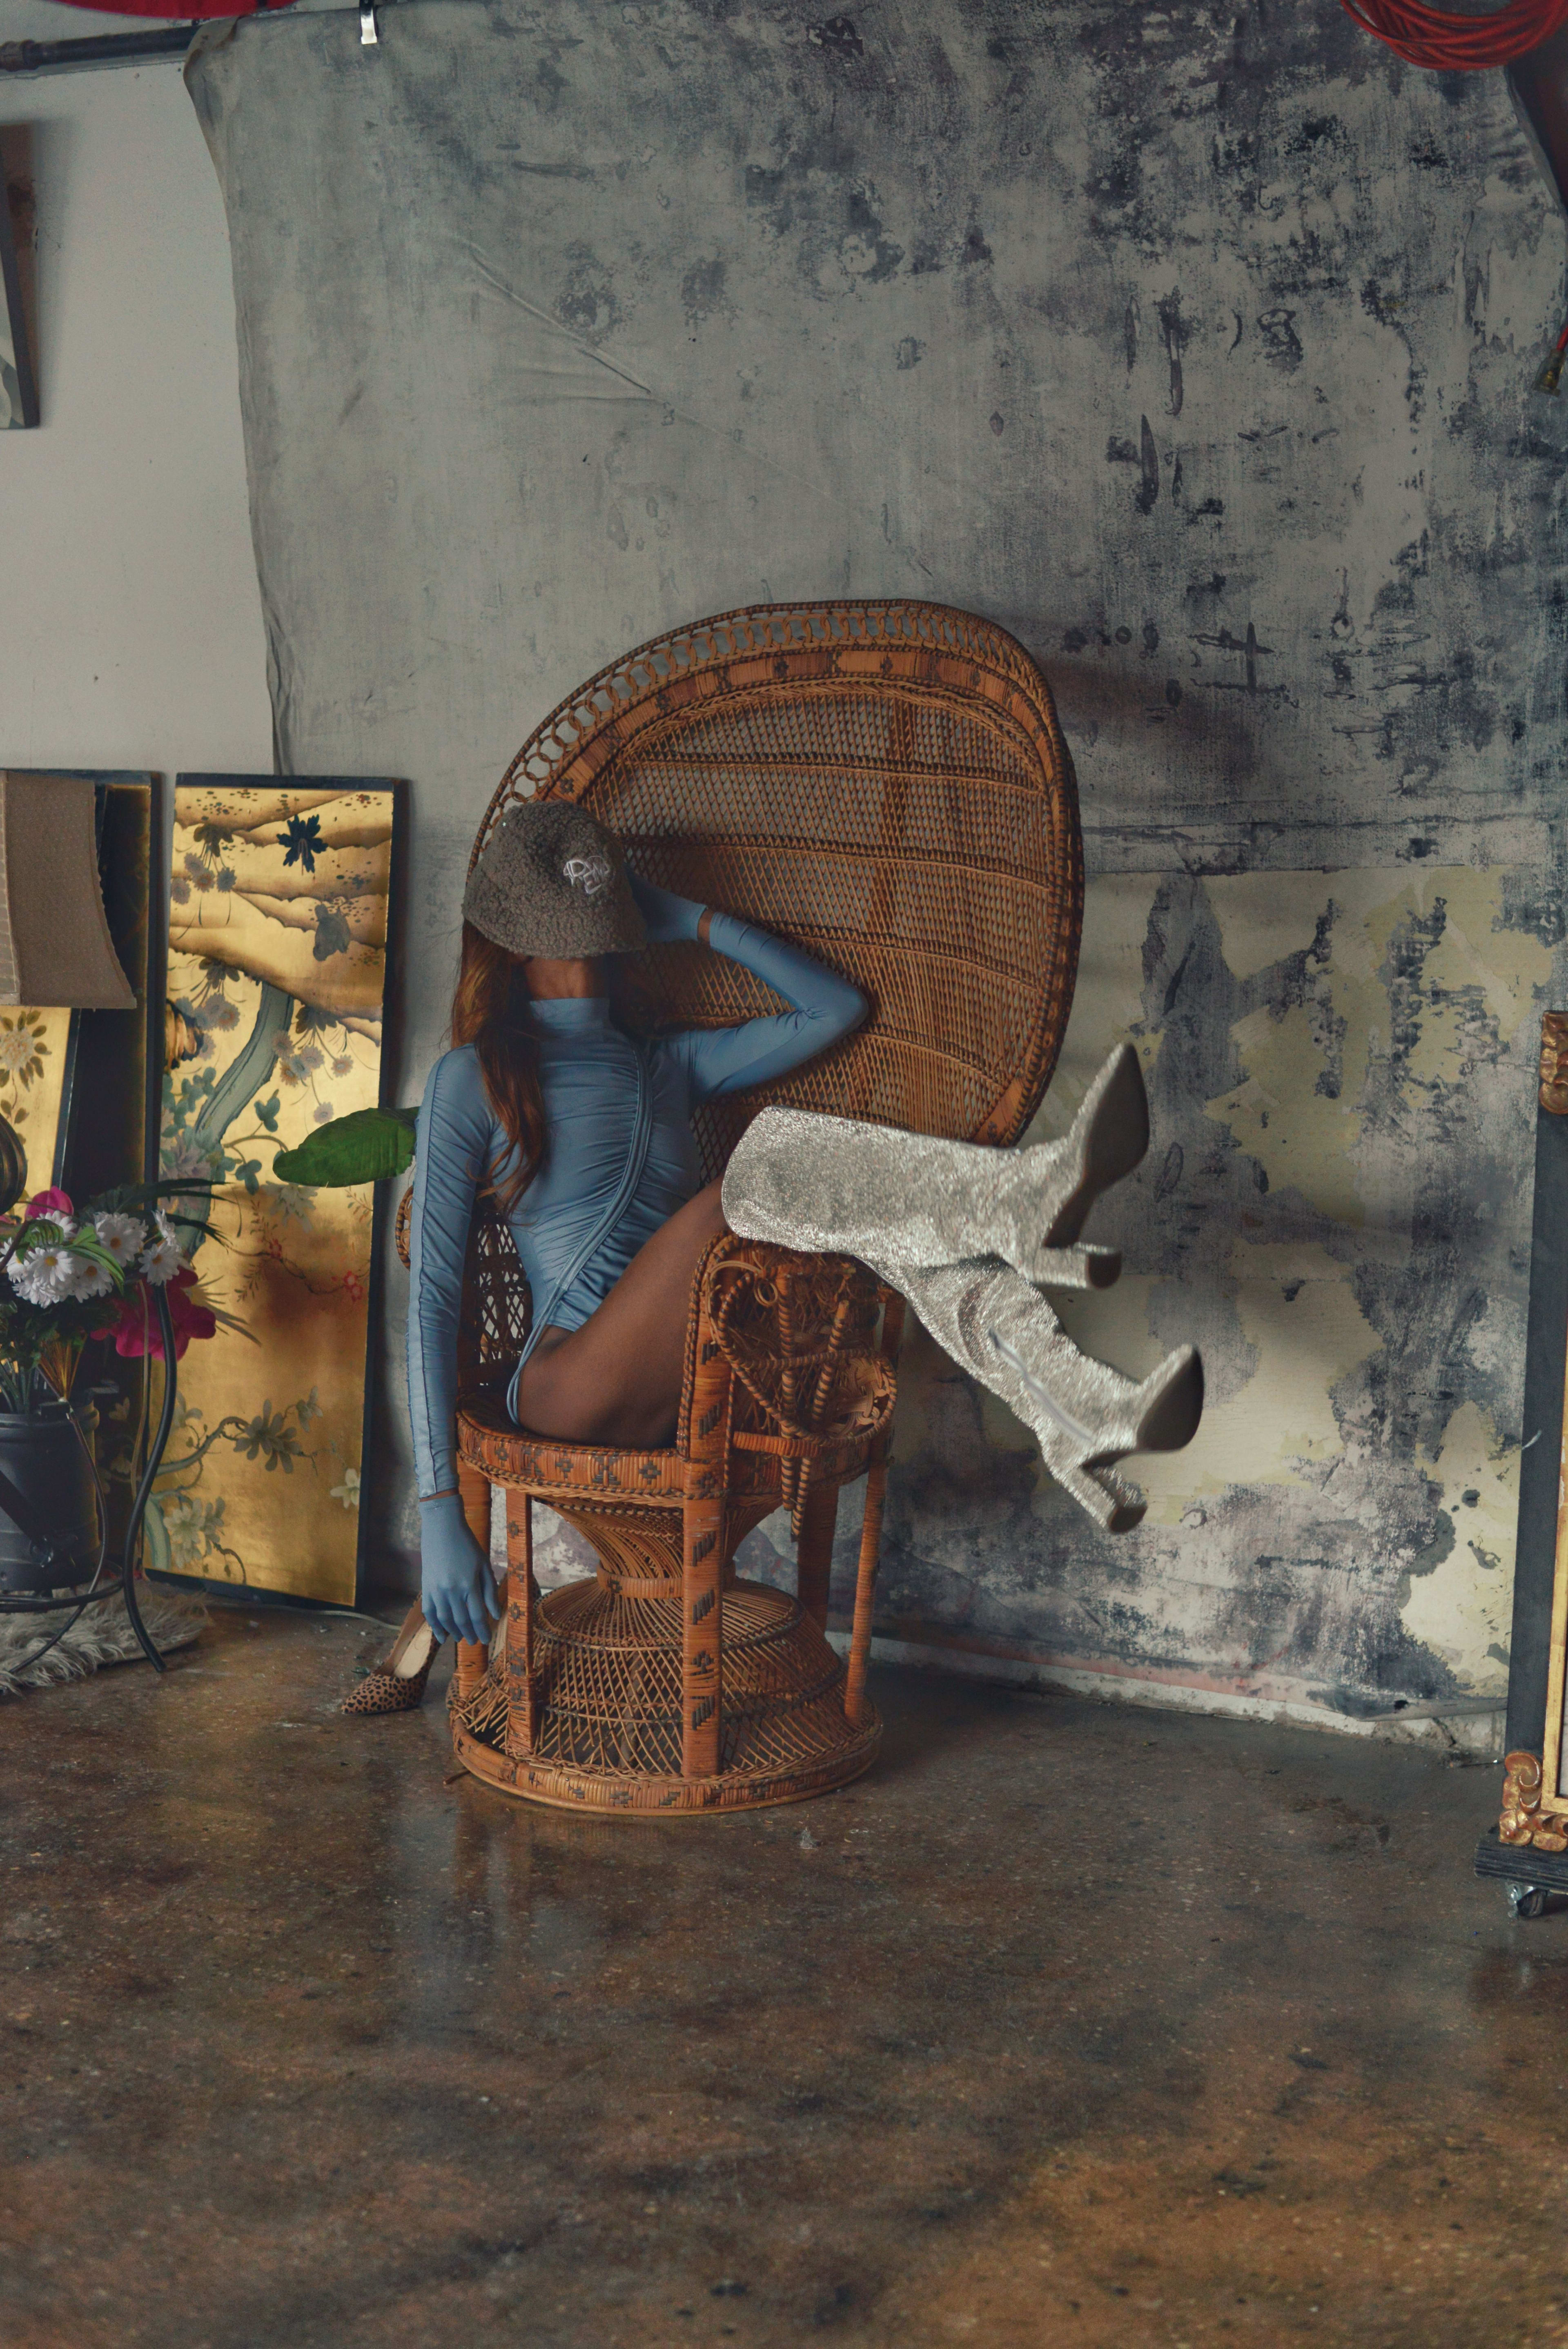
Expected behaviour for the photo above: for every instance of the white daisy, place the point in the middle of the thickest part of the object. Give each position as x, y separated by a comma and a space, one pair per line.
123, 1237
162, 1262
164, 1257
44, 1275
25, 1282
86, 1279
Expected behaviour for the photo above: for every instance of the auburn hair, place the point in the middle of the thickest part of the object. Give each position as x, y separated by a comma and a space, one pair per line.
491, 1011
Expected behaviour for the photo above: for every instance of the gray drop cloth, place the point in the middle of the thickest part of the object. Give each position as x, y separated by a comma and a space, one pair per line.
1194, 345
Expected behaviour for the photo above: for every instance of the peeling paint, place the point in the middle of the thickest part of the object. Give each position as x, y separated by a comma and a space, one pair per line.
1461, 1607
1340, 1224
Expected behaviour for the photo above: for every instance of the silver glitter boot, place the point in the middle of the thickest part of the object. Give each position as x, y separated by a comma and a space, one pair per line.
905, 1200
937, 1225
1083, 1415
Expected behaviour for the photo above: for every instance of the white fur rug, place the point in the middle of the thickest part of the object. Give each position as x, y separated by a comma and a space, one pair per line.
101, 1635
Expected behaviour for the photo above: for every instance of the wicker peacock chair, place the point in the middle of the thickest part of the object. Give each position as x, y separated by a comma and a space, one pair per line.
887, 784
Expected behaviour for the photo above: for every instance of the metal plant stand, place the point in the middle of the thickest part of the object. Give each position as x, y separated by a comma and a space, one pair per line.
124, 1584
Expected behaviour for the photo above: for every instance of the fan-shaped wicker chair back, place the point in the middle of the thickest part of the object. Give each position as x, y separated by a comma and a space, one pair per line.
885, 783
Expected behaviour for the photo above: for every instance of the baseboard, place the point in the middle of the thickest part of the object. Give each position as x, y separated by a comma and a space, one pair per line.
1470, 1726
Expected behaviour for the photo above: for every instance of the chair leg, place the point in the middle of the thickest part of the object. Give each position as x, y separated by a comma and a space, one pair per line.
702, 1557
474, 1655
702, 1528
871, 1533
866, 1587
813, 1552
523, 1598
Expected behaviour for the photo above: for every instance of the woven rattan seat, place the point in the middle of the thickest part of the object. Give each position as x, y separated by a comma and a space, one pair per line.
886, 785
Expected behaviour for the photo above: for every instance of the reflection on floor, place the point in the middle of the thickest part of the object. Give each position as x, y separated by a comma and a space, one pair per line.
1071, 2024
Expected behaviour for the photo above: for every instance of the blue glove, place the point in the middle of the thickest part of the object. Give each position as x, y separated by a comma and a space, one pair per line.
668, 916
457, 1594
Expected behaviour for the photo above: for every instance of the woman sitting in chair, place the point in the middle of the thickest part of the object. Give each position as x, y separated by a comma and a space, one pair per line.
583, 1137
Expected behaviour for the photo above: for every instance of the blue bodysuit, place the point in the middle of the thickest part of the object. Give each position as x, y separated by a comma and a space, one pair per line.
619, 1121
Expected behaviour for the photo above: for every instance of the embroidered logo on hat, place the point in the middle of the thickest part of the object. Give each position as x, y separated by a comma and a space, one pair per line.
589, 874
550, 880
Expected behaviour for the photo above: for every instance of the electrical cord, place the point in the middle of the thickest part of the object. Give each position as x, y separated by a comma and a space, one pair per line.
1451, 44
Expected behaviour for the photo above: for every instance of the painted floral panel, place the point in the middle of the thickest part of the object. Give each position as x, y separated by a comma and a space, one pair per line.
277, 957
33, 1060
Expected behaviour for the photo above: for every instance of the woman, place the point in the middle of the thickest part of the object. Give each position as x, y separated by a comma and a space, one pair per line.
583, 1137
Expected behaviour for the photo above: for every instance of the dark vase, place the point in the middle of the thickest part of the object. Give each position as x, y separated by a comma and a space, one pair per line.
43, 1456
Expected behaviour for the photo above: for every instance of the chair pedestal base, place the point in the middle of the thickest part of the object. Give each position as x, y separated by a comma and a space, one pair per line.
607, 1668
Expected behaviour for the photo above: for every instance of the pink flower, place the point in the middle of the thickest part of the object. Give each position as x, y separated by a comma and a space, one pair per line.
48, 1202
136, 1331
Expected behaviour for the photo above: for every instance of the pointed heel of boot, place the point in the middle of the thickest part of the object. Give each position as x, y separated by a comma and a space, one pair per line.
1077, 1267
1116, 1506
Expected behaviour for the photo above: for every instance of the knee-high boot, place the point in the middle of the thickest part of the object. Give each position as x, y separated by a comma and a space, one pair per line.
912, 1199
963, 1233
1084, 1416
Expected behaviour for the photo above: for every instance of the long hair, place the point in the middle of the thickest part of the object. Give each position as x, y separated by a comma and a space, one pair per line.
490, 1010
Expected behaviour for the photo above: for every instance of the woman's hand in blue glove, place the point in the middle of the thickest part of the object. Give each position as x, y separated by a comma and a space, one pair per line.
667, 917
457, 1596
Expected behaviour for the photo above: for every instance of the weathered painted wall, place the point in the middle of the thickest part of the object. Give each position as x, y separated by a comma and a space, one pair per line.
131, 635
1195, 345
1339, 1064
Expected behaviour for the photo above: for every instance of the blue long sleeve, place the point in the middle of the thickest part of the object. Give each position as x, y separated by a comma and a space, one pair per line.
456, 1134
825, 1009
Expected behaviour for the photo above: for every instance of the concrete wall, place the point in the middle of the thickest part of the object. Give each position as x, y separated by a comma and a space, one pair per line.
133, 631
1196, 346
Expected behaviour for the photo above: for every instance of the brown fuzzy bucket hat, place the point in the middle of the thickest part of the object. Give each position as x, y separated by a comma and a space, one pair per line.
551, 881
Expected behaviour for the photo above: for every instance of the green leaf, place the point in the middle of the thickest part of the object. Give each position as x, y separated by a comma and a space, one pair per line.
364, 1148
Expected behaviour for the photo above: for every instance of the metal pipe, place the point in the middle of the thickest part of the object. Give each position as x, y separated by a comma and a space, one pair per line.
144, 1490
94, 49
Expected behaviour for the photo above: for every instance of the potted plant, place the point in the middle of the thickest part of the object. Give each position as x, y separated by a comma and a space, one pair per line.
71, 1275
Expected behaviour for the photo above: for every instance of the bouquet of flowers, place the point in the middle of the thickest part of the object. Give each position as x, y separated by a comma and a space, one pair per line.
73, 1275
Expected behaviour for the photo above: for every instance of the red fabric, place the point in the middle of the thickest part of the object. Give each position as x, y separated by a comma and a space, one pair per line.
180, 11
1437, 37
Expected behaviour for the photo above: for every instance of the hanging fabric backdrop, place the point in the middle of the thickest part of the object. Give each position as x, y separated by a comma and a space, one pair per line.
1195, 347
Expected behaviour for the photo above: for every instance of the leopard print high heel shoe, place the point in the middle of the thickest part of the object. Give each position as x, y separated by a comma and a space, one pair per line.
399, 1684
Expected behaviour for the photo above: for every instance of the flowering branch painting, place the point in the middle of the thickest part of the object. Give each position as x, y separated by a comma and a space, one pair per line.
33, 1048
276, 968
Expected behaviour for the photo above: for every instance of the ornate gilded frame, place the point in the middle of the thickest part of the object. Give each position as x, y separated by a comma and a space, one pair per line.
1534, 1800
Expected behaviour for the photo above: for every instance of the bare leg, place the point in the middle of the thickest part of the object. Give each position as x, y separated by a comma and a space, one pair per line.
617, 1379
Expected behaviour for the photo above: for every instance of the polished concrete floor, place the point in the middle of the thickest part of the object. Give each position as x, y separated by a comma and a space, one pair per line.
1071, 2024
